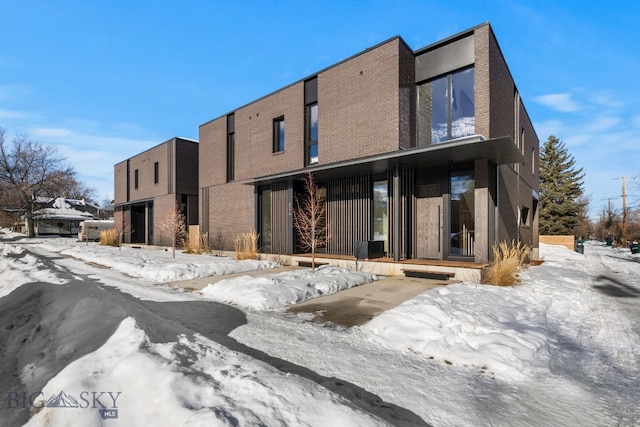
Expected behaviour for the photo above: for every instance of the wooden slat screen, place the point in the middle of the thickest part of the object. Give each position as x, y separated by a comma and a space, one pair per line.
348, 213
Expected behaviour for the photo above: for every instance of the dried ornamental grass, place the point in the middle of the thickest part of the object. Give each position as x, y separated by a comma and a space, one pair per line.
246, 245
109, 237
196, 243
508, 260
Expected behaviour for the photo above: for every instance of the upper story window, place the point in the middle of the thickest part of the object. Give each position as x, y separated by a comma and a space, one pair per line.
446, 108
311, 121
278, 134
135, 179
156, 172
312, 134
231, 147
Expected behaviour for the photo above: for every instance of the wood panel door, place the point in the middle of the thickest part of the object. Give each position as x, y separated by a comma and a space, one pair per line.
429, 227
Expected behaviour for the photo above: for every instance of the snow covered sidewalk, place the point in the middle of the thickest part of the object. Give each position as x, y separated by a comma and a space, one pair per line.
560, 349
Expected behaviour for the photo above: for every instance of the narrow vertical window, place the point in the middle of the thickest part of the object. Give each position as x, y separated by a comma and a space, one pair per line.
381, 212
135, 179
265, 220
156, 173
231, 147
278, 134
311, 121
312, 134
462, 211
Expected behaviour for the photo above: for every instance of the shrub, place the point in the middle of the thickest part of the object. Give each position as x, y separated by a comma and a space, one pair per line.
508, 260
246, 245
217, 246
110, 237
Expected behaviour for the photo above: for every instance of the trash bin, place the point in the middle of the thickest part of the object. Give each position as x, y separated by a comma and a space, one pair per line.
580, 248
609, 241
634, 247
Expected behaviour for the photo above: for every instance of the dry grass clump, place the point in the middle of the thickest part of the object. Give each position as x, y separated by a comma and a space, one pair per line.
246, 245
110, 237
196, 243
508, 260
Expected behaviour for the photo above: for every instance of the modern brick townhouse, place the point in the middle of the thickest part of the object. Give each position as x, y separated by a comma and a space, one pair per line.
430, 153
149, 184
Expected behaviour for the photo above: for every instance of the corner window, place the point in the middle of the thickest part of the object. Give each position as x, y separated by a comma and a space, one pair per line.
156, 172
278, 134
446, 108
135, 179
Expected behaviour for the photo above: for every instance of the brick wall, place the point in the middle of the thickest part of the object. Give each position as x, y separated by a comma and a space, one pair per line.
231, 211
120, 182
358, 105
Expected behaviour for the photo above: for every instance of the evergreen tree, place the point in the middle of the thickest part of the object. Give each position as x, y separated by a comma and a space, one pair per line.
561, 206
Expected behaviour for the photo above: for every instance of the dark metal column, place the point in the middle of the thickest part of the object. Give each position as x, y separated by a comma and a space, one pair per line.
396, 213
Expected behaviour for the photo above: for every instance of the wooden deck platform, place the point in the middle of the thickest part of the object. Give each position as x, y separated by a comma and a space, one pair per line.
459, 270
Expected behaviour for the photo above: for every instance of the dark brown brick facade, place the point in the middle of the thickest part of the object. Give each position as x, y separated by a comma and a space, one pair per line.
177, 181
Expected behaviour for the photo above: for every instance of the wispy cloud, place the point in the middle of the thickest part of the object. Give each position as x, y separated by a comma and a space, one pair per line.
14, 91
15, 115
561, 102
91, 153
603, 124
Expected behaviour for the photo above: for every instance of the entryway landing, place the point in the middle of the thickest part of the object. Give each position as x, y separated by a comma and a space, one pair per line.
356, 306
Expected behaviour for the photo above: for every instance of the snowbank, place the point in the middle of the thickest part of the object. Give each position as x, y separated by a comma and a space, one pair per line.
193, 381
276, 291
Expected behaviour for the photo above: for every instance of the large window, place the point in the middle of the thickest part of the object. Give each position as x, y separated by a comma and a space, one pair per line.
312, 134
278, 134
462, 186
446, 108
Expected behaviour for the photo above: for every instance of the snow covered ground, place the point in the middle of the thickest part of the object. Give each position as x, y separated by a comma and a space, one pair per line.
562, 348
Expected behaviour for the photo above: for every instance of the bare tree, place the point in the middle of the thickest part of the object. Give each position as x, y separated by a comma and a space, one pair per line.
29, 169
173, 223
309, 218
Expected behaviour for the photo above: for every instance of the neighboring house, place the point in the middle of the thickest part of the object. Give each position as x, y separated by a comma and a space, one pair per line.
149, 184
60, 216
430, 152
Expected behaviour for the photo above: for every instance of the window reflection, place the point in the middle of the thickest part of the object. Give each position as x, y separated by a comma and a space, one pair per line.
462, 214
446, 108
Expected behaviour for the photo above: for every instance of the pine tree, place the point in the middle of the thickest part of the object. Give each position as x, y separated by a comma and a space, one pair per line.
561, 187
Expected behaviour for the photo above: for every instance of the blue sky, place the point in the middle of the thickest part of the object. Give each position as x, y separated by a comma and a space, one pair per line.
105, 80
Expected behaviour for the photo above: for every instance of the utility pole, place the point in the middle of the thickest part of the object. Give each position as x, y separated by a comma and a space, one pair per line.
624, 206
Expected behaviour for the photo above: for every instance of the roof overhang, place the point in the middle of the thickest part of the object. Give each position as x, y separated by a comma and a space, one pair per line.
497, 150
132, 202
